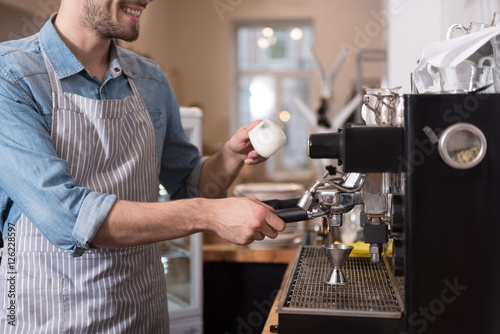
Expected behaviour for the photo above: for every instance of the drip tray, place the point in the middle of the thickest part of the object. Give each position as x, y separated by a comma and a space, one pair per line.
369, 293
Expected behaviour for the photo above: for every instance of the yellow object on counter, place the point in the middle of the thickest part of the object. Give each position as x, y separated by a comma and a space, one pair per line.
362, 249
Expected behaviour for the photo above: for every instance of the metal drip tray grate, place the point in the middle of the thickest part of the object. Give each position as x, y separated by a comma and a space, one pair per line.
369, 292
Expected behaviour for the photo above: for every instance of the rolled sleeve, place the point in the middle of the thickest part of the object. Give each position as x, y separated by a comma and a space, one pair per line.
93, 212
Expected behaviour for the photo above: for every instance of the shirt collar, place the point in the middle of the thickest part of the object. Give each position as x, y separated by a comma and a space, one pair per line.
117, 61
61, 58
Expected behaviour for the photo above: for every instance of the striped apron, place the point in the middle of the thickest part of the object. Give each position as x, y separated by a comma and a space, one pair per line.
110, 147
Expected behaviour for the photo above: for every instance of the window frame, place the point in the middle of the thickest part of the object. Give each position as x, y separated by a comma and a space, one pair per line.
279, 75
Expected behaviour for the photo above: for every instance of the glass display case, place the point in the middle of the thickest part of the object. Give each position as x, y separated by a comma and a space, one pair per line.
182, 258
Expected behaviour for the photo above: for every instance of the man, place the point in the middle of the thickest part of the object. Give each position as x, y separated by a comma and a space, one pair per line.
87, 130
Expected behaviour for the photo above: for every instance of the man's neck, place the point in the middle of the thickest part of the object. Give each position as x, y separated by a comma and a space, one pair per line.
91, 50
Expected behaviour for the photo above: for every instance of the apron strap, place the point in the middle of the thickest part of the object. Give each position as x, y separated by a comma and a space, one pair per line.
134, 88
54, 82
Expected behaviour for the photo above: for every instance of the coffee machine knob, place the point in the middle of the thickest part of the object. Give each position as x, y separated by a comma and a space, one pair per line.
398, 257
396, 213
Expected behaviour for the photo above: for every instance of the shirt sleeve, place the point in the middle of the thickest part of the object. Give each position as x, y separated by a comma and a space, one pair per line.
38, 182
181, 162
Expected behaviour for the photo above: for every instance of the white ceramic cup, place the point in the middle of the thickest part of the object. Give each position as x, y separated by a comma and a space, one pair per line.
485, 67
267, 138
460, 78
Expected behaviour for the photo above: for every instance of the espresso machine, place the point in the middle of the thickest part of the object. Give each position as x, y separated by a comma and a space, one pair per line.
428, 178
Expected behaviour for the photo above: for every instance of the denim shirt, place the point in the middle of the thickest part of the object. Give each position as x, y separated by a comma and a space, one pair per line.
33, 179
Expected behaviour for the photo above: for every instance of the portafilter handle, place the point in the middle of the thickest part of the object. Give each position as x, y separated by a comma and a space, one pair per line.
292, 215
288, 210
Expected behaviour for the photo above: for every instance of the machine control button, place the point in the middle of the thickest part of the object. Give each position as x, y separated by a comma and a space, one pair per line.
462, 146
375, 233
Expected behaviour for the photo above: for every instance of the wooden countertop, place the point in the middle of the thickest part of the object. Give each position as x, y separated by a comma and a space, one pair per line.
234, 253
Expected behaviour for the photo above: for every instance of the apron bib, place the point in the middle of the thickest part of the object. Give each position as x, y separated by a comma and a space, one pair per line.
110, 147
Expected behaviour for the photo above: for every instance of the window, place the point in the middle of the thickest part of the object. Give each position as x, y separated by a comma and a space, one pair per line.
274, 68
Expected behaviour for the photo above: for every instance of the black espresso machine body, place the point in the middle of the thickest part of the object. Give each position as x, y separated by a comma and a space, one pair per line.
443, 221
452, 261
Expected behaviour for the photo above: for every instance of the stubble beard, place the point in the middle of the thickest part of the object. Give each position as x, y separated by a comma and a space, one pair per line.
100, 21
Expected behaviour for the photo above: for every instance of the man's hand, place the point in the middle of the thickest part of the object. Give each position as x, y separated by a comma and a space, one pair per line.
219, 172
242, 220
240, 145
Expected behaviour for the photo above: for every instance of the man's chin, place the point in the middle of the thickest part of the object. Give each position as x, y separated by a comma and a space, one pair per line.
129, 39
127, 36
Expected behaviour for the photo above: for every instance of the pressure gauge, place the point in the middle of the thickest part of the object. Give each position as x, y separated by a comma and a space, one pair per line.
462, 146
